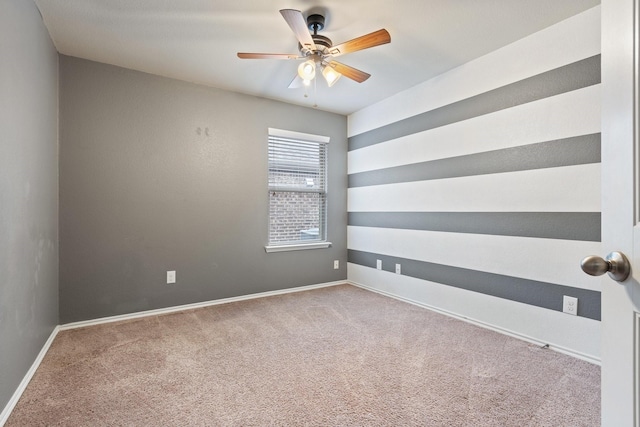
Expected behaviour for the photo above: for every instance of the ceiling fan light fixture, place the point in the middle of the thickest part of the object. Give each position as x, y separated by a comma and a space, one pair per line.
318, 51
307, 70
330, 75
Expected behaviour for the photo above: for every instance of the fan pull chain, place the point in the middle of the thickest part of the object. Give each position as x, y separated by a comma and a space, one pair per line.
315, 93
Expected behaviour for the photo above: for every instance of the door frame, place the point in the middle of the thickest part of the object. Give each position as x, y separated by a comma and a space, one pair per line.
619, 210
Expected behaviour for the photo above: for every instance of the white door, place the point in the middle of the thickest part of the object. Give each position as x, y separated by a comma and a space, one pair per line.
620, 213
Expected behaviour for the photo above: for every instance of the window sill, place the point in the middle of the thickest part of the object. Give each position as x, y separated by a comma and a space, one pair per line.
297, 247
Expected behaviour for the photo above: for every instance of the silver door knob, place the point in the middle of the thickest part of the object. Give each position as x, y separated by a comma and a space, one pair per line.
616, 264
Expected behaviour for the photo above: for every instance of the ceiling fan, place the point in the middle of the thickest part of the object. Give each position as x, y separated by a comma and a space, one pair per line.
318, 51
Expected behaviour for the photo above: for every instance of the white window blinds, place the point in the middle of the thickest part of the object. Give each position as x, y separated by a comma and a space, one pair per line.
297, 188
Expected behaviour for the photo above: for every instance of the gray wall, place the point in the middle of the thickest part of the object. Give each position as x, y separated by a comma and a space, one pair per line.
28, 191
158, 174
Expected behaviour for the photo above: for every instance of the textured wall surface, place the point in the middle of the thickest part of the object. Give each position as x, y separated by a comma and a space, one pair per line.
28, 191
484, 185
159, 175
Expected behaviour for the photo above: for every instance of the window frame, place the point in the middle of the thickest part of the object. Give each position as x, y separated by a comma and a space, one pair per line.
322, 242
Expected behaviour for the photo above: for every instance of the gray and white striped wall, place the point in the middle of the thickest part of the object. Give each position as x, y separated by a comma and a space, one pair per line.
484, 185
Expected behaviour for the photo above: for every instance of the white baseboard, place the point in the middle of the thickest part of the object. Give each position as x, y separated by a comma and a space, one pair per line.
4, 415
174, 309
559, 349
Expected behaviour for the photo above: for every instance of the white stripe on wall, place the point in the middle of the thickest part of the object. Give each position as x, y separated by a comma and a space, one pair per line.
569, 114
568, 41
547, 260
564, 189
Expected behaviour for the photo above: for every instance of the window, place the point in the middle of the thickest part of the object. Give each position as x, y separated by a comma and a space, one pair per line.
297, 191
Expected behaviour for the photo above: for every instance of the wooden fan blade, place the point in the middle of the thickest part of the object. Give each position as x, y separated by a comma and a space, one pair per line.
299, 26
363, 42
245, 55
349, 72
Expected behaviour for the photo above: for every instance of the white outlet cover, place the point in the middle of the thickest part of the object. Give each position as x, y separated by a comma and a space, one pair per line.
336, 264
171, 276
570, 305
398, 270
379, 264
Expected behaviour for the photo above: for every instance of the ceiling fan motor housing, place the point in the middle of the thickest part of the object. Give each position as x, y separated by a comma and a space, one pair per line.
315, 23
323, 44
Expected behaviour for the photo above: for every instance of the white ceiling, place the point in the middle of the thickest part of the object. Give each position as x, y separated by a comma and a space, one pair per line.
197, 40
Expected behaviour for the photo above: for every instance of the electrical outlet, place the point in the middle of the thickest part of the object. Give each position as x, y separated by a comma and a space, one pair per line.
379, 264
171, 276
398, 269
336, 264
570, 305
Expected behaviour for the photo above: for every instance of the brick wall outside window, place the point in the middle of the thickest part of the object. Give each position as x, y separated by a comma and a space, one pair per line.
294, 215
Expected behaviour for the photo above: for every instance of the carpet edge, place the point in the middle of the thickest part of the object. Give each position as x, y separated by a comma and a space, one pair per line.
173, 309
523, 337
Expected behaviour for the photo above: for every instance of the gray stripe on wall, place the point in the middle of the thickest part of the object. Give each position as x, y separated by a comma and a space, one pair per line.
577, 150
564, 79
532, 292
583, 226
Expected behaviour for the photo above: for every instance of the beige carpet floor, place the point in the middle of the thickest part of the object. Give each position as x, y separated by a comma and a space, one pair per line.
338, 356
